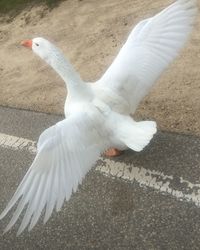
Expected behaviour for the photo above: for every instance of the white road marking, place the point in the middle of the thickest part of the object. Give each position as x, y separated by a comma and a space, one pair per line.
150, 178
17, 143
154, 179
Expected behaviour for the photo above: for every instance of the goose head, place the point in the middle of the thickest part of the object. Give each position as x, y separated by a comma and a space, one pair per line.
55, 58
42, 47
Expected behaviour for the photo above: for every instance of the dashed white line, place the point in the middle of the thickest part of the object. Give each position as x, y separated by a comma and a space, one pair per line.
144, 177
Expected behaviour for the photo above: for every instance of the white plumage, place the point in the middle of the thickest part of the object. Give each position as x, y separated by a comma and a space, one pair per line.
151, 47
98, 115
66, 152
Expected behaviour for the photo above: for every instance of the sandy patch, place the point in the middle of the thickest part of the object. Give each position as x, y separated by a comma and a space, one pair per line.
91, 33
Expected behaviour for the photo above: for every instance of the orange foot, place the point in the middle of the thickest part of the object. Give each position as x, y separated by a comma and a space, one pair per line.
112, 152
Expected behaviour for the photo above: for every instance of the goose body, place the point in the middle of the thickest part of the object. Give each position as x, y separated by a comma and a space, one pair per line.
98, 115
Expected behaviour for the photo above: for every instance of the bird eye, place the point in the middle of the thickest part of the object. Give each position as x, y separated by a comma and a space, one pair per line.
36, 44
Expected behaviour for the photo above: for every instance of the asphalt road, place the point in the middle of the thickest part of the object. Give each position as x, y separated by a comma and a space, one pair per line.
109, 212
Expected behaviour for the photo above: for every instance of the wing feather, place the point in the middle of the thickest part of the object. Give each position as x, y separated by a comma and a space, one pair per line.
150, 48
66, 152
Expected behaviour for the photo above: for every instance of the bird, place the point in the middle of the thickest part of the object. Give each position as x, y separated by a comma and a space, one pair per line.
98, 116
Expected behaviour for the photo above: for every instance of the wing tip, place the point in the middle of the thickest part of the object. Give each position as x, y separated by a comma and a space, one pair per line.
4, 213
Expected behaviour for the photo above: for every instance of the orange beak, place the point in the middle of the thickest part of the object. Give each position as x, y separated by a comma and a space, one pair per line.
27, 43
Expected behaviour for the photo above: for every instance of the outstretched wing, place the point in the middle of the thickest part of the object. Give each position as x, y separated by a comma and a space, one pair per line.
66, 152
150, 48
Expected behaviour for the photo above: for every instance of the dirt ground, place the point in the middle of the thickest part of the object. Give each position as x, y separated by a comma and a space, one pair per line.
90, 33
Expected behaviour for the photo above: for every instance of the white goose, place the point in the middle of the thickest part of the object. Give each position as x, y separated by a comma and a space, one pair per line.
97, 116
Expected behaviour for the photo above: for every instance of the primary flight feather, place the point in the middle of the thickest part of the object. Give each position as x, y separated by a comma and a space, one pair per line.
98, 115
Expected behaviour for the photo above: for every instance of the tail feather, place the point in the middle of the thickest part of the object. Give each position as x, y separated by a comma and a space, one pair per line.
137, 135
